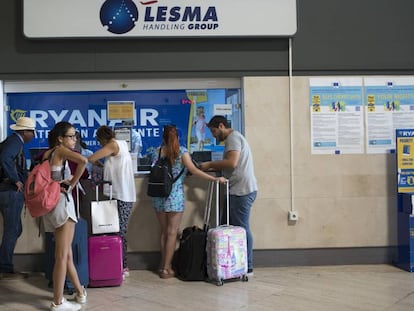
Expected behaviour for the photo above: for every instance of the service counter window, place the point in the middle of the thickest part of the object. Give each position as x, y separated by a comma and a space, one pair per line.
188, 109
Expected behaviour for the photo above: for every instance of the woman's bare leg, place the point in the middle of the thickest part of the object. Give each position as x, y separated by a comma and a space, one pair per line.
162, 219
173, 224
63, 248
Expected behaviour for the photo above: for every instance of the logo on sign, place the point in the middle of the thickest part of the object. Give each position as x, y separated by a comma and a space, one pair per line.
119, 16
405, 133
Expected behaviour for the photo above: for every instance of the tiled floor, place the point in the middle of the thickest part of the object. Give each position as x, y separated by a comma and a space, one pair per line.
333, 288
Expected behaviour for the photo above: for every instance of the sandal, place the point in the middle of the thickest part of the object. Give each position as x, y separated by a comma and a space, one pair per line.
166, 274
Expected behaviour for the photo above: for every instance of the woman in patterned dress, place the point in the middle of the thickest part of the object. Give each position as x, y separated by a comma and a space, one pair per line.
170, 210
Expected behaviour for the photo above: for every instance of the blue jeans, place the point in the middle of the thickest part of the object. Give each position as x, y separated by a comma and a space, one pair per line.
11, 205
240, 207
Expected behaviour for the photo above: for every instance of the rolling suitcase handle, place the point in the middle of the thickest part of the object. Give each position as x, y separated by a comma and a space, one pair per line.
218, 203
103, 182
77, 254
78, 187
207, 208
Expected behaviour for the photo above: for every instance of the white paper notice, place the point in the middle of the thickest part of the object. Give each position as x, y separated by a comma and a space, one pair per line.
336, 115
389, 105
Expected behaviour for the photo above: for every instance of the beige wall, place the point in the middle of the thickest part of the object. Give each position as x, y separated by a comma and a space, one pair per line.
342, 200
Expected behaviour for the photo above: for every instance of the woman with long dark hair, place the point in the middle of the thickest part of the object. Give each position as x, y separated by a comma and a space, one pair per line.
170, 210
62, 219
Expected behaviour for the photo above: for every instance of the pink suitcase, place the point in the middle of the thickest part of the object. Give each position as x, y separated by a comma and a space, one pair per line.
226, 248
105, 257
105, 260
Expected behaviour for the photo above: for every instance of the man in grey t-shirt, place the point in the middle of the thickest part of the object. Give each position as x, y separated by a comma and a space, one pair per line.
237, 166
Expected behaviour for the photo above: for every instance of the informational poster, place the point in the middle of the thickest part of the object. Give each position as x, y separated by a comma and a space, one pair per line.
389, 106
206, 104
336, 115
405, 160
121, 110
124, 133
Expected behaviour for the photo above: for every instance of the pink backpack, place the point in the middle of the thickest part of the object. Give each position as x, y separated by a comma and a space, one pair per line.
41, 193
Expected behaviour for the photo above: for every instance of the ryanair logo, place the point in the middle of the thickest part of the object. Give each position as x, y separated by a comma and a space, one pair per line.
17, 113
405, 133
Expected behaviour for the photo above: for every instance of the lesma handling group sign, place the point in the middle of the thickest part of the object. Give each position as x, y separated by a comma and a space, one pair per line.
158, 18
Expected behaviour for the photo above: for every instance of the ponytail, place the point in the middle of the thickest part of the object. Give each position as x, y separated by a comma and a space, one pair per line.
171, 145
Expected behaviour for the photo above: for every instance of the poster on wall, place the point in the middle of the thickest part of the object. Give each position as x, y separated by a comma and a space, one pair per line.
204, 105
336, 115
389, 105
188, 110
405, 160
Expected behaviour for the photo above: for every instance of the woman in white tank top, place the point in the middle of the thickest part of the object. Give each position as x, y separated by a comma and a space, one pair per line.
117, 169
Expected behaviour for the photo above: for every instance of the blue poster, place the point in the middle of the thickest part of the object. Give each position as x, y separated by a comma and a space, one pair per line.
88, 110
189, 110
405, 160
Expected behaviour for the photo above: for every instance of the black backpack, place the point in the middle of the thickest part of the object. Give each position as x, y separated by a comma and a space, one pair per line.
190, 259
160, 179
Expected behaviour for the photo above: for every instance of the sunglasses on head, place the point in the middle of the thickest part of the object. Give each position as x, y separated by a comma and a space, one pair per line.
167, 126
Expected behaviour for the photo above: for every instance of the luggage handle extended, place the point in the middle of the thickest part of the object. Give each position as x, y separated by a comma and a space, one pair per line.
215, 186
218, 204
77, 200
78, 188
103, 182
77, 254
207, 207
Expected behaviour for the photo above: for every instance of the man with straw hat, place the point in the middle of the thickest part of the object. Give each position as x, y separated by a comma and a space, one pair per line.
13, 174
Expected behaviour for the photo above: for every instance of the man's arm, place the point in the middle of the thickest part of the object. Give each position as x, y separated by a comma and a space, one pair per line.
11, 149
231, 158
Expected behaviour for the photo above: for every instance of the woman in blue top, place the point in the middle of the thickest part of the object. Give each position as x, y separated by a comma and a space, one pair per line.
170, 210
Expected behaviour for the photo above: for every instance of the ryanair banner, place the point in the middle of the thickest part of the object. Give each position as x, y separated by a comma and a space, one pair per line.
88, 110
146, 111
158, 18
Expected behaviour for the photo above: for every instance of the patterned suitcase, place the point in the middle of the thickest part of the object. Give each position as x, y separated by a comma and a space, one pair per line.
226, 249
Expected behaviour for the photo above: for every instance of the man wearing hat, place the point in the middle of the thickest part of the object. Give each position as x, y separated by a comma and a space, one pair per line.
13, 174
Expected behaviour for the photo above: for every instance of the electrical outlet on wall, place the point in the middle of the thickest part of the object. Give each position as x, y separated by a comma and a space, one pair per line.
293, 216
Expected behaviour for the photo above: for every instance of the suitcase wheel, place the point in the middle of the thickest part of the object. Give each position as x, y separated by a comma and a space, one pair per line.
220, 283
244, 278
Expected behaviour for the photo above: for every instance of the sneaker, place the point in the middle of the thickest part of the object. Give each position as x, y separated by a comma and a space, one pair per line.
250, 272
125, 273
81, 298
65, 306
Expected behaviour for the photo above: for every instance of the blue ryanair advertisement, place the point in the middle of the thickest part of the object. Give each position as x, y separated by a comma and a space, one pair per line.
189, 110
405, 160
